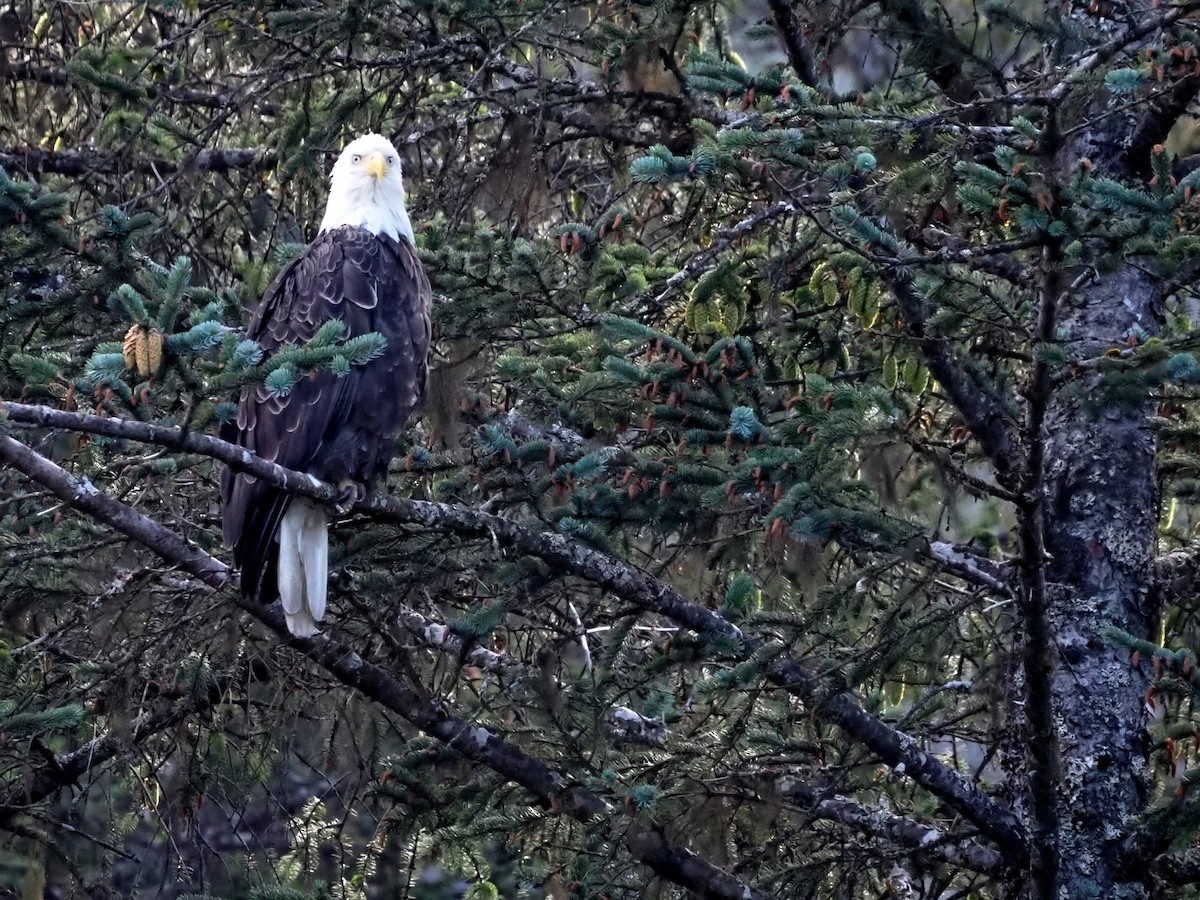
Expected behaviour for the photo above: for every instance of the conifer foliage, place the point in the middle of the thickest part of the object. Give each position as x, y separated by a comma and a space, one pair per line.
805, 504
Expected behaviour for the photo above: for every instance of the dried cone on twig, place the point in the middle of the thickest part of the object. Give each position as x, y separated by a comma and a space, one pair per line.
143, 350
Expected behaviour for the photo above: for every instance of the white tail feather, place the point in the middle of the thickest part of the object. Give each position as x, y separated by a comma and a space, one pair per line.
303, 565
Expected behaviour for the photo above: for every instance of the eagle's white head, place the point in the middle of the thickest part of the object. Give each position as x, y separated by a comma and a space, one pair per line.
365, 189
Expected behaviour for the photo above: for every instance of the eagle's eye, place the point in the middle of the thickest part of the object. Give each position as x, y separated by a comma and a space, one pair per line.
391, 160
356, 158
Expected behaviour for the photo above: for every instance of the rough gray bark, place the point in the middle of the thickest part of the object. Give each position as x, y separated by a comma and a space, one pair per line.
1099, 509
83, 162
1088, 534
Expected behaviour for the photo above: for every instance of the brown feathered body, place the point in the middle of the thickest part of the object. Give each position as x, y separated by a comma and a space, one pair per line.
339, 429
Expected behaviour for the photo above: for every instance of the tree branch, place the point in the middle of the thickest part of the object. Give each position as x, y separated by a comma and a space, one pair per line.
1175, 576
82, 162
699, 260
65, 769
966, 387
841, 708
1038, 651
1158, 118
27, 70
790, 30
1108, 50
626, 725
1148, 844
1179, 868
902, 831
969, 567
939, 52
1119, 141
554, 790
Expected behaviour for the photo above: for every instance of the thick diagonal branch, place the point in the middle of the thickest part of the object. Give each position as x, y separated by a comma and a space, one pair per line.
83, 162
904, 832
553, 789
837, 707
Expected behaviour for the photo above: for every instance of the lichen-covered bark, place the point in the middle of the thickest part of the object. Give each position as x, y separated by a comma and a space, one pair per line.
1096, 505
1100, 508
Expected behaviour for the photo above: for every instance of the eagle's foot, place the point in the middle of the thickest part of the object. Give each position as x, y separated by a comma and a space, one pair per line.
351, 493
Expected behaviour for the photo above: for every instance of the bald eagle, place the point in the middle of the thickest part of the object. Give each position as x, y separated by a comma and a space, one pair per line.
363, 270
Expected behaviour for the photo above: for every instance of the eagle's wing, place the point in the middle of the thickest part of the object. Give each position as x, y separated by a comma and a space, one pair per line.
368, 283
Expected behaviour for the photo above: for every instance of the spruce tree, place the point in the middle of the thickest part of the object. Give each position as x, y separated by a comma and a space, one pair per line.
804, 506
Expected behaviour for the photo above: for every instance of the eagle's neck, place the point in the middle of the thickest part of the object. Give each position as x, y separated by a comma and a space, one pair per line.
374, 210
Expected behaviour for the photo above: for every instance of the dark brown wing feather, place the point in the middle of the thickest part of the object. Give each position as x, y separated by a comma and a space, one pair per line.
334, 428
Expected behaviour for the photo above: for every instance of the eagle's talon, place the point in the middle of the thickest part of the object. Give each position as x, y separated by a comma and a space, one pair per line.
352, 492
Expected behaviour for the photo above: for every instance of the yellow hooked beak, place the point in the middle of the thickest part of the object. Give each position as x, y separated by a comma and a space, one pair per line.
375, 165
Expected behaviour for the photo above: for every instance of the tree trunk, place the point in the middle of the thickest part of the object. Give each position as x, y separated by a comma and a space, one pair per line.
1099, 509
1090, 527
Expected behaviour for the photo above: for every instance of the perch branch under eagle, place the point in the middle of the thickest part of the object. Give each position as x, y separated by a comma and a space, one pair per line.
362, 270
